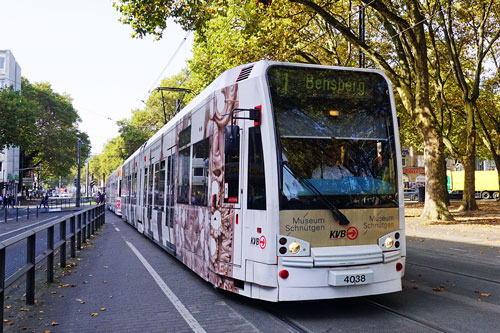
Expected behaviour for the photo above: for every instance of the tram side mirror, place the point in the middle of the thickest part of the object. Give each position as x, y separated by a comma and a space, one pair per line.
232, 140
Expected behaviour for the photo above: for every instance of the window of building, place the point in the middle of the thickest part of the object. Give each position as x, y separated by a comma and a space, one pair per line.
183, 176
199, 189
420, 161
2, 62
256, 175
403, 161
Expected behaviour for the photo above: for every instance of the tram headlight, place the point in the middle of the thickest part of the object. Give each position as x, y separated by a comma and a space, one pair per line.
294, 247
389, 242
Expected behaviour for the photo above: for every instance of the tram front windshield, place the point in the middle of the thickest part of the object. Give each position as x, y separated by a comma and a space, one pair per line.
336, 138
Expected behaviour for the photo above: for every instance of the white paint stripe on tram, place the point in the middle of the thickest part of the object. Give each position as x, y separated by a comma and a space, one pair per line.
188, 317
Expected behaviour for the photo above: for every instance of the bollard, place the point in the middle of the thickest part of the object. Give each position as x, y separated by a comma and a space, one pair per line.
17, 213
5, 214
28, 212
37, 212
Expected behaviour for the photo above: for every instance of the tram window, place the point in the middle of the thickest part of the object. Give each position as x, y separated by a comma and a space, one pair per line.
183, 176
145, 192
199, 189
256, 175
232, 179
185, 136
150, 186
134, 188
159, 185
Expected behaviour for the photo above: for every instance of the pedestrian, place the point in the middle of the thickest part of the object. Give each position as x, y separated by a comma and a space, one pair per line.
1, 200
42, 202
99, 197
46, 201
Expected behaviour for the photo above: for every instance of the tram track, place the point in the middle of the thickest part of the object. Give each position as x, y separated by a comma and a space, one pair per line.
290, 323
455, 273
407, 317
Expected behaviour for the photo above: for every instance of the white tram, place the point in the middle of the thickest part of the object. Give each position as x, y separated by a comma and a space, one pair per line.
279, 182
114, 191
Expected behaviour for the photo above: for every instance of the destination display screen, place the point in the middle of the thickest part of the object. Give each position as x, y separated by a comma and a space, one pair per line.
289, 80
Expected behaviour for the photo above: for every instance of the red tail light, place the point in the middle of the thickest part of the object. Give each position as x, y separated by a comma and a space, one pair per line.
284, 274
399, 266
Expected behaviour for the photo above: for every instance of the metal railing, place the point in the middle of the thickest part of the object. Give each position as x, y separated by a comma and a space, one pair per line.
33, 210
82, 225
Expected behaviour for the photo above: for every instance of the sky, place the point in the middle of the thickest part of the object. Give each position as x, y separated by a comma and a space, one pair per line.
81, 49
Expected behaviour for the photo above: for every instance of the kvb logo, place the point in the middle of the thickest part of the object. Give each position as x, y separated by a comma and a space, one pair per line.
351, 233
256, 241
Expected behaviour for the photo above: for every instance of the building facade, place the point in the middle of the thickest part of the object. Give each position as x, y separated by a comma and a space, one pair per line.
10, 76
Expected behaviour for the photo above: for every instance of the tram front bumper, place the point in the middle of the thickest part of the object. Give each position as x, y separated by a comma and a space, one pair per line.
340, 282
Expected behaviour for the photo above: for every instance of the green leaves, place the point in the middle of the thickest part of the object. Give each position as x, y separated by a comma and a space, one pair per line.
17, 119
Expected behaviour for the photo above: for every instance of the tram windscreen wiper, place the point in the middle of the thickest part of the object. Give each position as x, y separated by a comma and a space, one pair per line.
337, 214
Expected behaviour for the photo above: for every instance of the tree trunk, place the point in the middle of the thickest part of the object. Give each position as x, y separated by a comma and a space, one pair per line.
469, 197
435, 175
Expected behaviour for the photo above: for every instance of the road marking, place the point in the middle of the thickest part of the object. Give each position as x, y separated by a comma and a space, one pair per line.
188, 317
30, 226
117, 229
451, 248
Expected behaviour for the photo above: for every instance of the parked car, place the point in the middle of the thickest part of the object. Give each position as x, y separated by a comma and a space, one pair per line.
411, 194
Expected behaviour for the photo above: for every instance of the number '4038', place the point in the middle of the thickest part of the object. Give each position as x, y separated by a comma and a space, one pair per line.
354, 279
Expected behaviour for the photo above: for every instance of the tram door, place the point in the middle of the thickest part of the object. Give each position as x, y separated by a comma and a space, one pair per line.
233, 196
169, 192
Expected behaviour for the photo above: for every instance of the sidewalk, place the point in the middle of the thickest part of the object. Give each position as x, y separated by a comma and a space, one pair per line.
105, 289
481, 227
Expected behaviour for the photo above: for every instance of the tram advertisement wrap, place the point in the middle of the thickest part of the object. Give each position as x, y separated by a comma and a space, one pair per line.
320, 229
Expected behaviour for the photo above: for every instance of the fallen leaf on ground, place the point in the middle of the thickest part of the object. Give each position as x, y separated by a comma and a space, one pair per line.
415, 287
24, 309
476, 291
438, 289
485, 294
94, 314
412, 281
55, 323
24, 328
102, 309
10, 323
46, 331
8, 306
104, 281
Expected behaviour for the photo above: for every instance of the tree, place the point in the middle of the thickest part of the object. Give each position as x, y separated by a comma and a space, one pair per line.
55, 144
467, 64
17, 119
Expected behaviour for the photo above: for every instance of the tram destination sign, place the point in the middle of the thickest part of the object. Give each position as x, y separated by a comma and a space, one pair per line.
327, 83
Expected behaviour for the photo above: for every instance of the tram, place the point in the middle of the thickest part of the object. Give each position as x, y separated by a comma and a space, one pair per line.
280, 182
114, 192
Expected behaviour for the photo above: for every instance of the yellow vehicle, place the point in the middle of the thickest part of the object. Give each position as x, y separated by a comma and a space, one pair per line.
486, 183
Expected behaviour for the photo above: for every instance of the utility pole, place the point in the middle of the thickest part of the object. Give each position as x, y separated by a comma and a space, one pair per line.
87, 182
78, 175
362, 35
